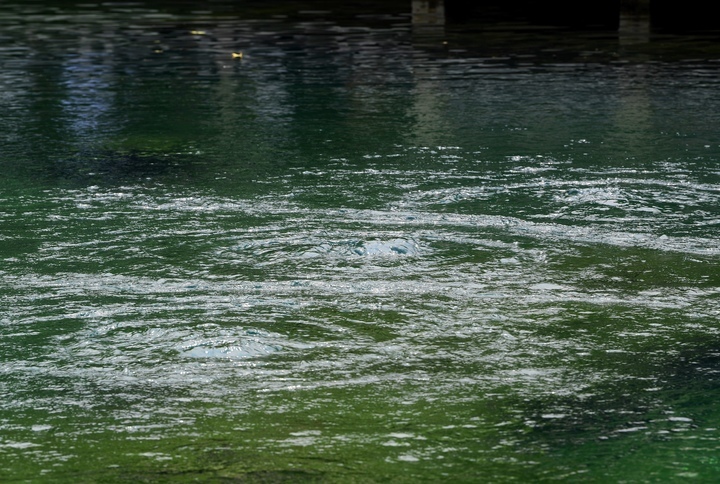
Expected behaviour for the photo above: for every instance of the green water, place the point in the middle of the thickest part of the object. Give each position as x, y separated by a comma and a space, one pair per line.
357, 254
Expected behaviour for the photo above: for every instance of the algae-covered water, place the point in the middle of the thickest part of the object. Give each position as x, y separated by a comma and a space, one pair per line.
362, 252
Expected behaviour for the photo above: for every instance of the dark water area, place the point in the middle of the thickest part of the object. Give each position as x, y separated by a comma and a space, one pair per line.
274, 242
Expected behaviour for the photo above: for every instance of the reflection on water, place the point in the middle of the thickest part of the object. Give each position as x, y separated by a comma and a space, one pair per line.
362, 251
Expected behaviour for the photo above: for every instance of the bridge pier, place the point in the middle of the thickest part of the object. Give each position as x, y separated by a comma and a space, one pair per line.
428, 12
634, 26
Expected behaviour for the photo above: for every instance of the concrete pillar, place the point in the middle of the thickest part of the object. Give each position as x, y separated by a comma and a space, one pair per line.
428, 12
634, 21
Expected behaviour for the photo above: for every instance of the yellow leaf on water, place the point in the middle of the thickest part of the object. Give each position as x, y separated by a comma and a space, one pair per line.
197, 32
237, 55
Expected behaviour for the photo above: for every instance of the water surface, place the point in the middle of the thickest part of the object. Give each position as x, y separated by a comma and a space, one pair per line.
361, 252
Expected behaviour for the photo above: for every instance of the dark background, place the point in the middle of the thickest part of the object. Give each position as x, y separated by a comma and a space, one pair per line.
667, 16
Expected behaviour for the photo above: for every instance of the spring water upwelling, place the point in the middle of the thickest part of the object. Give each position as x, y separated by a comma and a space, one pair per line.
355, 254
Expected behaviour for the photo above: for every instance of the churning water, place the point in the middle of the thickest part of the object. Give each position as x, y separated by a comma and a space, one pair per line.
358, 253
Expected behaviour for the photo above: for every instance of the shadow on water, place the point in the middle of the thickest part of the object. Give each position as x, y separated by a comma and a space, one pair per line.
111, 168
659, 410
